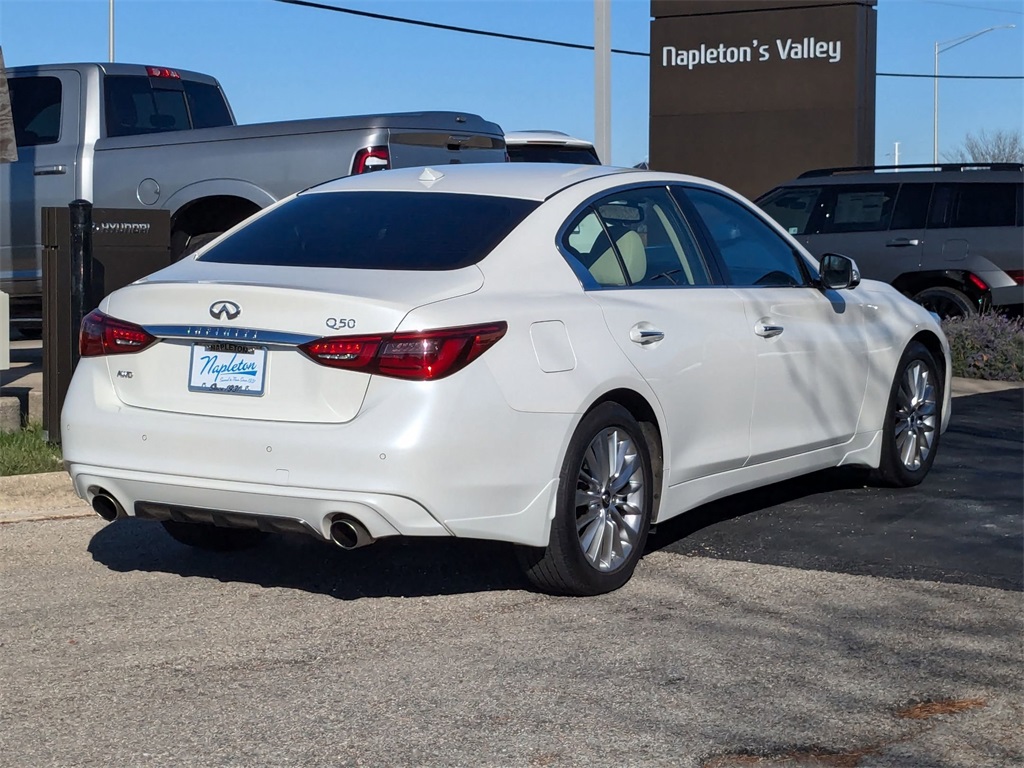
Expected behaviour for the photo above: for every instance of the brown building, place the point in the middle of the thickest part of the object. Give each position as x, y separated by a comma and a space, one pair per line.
751, 93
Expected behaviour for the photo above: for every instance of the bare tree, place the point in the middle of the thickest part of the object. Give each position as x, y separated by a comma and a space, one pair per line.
997, 147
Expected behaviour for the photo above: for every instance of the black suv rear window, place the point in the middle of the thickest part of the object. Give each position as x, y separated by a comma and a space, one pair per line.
421, 231
542, 153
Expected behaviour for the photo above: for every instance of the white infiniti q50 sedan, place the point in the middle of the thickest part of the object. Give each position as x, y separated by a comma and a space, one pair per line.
550, 355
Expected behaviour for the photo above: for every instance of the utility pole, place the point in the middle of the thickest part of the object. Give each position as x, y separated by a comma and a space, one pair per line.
602, 80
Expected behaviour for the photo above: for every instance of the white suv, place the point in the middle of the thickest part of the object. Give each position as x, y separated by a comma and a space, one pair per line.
549, 147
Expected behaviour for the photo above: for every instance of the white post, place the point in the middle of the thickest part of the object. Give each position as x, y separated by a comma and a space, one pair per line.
935, 110
110, 33
896, 153
603, 80
5, 331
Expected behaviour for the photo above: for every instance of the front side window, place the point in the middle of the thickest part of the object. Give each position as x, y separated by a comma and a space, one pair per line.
863, 208
35, 108
792, 208
750, 249
636, 238
375, 230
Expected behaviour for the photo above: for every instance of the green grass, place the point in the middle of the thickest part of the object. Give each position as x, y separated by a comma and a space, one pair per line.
26, 452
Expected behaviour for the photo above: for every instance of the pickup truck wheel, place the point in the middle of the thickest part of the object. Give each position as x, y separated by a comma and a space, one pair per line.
946, 302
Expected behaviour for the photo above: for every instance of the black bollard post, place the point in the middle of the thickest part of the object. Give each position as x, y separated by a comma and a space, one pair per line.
81, 269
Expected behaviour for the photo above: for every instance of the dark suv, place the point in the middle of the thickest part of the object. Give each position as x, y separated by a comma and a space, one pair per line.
948, 236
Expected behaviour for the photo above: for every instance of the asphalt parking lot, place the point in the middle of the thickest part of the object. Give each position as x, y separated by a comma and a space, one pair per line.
815, 623
962, 526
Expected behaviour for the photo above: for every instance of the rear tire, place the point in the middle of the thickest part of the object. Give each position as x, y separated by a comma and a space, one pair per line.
212, 538
946, 302
913, 419
603, 512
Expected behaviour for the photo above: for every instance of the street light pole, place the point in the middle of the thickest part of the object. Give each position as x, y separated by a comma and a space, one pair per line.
942, 47
110, 22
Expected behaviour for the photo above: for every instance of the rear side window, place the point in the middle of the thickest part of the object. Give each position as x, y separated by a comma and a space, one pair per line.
540, 153
375, 230
35, 107
911, 207
974, 205
792, 208
207, 105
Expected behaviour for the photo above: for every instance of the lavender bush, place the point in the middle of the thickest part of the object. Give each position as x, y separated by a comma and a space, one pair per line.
988, 346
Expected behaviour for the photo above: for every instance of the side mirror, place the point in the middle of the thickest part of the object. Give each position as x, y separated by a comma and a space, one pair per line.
838, 272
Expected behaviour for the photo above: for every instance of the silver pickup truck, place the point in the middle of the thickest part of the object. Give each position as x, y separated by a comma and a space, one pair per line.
132, 136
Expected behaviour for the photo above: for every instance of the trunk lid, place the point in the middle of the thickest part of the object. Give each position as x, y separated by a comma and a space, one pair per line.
245, 322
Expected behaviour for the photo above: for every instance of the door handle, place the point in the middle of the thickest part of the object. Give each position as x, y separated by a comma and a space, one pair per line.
50, 170
902, 242
645, 335
767, 331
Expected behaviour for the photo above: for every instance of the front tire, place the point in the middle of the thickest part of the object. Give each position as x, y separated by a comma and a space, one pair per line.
913, 419
603, 512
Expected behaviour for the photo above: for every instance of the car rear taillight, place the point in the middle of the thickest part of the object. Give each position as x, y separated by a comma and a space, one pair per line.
104, 335
371, 159
977, 282
421, 356
1017, 275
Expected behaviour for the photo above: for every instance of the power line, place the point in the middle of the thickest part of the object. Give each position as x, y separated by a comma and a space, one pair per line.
562, 43
952, 77
974, 7
450, 28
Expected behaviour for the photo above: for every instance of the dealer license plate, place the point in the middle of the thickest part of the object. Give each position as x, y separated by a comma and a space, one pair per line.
228, 369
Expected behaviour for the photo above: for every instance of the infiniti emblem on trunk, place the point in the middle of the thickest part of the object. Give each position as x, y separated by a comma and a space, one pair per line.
225, 310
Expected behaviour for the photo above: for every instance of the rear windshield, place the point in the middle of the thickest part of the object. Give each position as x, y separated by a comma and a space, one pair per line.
421, 231
543, 153
138, 105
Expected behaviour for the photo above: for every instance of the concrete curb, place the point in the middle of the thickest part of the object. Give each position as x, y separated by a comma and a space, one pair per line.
20, 406
39, 497
23, 496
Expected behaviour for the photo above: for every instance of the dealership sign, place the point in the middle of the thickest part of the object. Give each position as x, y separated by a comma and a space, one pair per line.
786, 49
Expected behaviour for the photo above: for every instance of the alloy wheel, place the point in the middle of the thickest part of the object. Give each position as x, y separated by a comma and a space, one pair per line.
916, 415
610, 499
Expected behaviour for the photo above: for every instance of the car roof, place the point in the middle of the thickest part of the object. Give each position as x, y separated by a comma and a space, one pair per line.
516, 138
894, 175
528, 181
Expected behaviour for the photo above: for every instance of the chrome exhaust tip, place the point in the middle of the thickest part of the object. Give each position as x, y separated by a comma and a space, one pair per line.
106, 506
349, 533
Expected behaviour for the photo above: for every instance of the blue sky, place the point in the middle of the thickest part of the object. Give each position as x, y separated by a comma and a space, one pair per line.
278, 61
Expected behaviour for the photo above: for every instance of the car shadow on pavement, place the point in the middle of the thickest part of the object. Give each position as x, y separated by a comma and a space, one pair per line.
388, 568
962, 525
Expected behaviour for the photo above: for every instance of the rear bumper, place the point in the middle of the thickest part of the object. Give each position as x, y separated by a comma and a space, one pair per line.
444, 458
